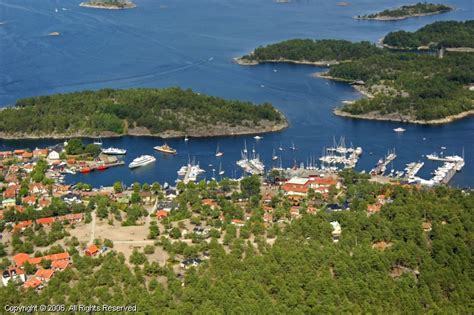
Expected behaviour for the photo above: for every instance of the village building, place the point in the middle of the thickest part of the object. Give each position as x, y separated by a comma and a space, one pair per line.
13, 274
92, 250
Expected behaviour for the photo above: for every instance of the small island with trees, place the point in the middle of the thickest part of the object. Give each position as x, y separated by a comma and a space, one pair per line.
400, 86
166, 113
307, 51
109, 4
407, 11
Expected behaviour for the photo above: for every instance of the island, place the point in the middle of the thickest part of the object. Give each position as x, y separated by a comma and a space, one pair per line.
166, 113
108, 4
407, 11
445, 34
307, 51
399, 86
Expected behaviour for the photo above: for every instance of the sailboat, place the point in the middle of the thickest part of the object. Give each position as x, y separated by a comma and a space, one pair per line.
56, 10
219, 153
280, 147
98, 141
186, 139
293, 146
245, 146
221, 171
274, 156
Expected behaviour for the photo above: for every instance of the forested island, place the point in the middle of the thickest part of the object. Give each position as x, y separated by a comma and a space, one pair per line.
308, 51
406, 11
400, 86
444, 34
109, 4
170, 112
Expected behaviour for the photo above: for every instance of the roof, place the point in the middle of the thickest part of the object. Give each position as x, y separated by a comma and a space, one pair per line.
295, 188
298, 181
23, 224
92, 249
374, 208
44, 273
44, 221
32, 283
20, 259
161, 214
58, 256
60, 264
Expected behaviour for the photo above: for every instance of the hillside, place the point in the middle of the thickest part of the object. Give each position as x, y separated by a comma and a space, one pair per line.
445, 34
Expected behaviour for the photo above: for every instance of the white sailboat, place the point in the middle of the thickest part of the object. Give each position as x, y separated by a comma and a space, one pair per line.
221, 171
245, 146
219, 153
186, 139
274, 156
98, 141
280, 147
293, 146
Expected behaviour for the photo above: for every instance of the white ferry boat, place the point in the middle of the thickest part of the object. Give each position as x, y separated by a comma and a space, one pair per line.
142, 160
114, 151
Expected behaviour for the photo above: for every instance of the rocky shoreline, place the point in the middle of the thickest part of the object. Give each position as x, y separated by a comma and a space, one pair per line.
321, 63
129, 5
222, 131
405, 119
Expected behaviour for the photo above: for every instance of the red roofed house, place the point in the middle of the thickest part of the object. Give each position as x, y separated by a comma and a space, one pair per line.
210, 202
21, 226
10, 192
161, 214
37, 188
92, 250
33, 283
18, 152
19, 259
44, 274
72, 217
27, 155
43, 203
60, 264
40, 152
29, 200
371, 209
59, 256
45, 221
311, 210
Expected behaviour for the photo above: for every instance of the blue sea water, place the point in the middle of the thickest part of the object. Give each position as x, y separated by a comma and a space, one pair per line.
191, 44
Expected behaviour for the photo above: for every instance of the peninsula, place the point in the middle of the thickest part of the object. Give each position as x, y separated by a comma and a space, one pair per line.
108, 4
407, 11
399, 86
166, 113
444, 34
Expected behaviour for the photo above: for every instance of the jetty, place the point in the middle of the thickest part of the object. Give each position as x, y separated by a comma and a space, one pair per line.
381, 166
